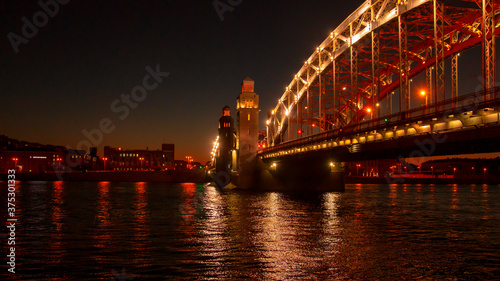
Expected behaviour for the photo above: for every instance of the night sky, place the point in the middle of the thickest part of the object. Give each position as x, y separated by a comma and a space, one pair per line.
66, 77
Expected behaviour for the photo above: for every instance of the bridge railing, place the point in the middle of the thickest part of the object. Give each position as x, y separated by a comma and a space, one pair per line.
470, 102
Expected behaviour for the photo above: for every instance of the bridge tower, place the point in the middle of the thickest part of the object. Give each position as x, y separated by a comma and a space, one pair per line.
247, 128
226, 141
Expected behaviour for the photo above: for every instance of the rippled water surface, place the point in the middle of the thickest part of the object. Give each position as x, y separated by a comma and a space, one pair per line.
140, 231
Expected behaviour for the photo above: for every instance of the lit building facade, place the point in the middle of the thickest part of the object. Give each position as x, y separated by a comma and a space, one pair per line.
118, 159
372, 168
31, 161
29, 157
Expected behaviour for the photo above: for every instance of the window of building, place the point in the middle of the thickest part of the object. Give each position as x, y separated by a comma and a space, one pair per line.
248, 116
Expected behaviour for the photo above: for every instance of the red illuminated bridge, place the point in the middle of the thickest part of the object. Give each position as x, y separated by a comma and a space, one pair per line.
351, 99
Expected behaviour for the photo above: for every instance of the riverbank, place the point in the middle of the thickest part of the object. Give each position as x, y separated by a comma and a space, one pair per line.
172, 176
415, 180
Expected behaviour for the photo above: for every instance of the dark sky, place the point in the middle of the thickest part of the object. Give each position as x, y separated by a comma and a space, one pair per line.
66, 77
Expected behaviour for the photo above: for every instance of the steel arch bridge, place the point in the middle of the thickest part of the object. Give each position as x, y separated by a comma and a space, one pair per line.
362, 71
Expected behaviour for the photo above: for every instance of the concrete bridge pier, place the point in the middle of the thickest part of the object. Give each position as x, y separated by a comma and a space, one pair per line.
297, 173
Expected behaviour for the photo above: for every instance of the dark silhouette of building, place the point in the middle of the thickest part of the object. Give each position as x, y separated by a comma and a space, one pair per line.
223, 158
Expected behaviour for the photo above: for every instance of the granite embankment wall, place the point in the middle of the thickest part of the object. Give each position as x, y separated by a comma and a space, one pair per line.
132, 176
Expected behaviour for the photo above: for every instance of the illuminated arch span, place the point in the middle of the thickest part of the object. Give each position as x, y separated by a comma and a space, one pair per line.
375, 52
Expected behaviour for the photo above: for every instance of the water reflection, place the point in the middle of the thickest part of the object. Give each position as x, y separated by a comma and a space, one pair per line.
485, 202
331, 238
140, 226
213, 236
57, 247
188, 231
102, 233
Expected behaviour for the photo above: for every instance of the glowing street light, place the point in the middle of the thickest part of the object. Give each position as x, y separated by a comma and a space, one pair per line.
15, 159
484, 170
454, 171
59, 163
104, 159
357, 169
189, 160
424, 94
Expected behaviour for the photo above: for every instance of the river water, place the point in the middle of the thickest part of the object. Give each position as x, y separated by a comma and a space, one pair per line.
146, 231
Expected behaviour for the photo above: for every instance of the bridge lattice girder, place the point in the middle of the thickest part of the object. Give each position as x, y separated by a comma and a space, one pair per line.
376, 51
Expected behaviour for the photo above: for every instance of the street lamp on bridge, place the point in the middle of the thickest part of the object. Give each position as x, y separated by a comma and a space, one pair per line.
424, 94
357, 169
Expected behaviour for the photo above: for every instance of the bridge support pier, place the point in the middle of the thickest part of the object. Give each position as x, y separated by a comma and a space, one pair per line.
304, 174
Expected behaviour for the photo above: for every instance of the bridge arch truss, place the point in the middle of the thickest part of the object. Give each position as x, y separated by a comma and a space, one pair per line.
363, 70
